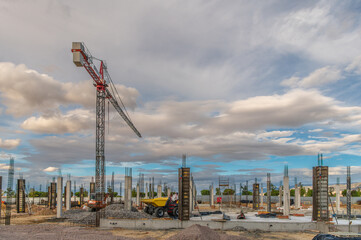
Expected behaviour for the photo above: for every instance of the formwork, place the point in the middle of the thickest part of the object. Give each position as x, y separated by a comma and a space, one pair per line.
320, 197
49, 194
184, 193
256, 196
20, 196
52, 195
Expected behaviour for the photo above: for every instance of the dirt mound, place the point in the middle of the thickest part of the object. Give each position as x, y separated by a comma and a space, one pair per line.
198, 232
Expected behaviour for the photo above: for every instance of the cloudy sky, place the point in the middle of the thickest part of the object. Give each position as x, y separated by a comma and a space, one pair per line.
243, 88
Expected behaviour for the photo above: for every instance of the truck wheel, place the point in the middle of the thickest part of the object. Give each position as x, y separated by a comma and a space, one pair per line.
159, 212
146, 209
175, 212
151, 210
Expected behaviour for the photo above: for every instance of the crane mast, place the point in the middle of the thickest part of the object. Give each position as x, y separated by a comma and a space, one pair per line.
83, 58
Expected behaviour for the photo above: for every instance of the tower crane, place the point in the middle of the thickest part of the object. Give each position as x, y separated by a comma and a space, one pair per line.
105, 89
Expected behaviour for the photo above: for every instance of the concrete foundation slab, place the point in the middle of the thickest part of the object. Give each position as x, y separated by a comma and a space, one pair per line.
151, 224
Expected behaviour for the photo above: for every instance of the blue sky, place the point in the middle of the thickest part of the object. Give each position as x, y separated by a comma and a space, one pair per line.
242, 88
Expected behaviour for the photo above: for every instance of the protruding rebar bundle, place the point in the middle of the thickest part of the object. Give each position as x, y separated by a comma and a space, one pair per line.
184, 161
286, 171
318, 160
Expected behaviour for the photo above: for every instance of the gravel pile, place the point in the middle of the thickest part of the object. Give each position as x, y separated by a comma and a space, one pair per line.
113, 211
198, 232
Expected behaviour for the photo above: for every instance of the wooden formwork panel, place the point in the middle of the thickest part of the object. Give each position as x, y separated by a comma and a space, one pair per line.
20, 197
184, 193
320, 194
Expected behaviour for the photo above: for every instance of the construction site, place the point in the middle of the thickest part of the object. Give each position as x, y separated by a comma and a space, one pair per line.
181, 214
173, 120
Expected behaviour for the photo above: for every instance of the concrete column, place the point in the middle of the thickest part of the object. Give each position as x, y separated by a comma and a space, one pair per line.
159, 191
269, 208
212, 196
194, 195
261, 197
125, 192
129, 205
138, 195
337, 190
190, 197
59, 207
129, 193
286, 196
68, 195
168, 192
146, 191
297, 197
280, 196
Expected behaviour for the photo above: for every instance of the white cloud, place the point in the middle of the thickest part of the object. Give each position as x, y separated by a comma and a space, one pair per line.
319, 77
9, 143
50, 169
316, 130
31, 92
355, 65
324, 32
3, 166
57, 123
276, 134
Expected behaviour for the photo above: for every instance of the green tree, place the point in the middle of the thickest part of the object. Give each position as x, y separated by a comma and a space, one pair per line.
228, 191
292, 192
355, 193
309, 193
205, 192
134, 192
344, 193
218, 191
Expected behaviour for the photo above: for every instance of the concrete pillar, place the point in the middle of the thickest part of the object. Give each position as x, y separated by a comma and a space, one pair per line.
261, 197
129, 205
126, 198
194, 195
168, 192
138, 195
297, 197
269, 207
159, 191
280, 196
337, 190
59, 207
146, 191
129, 190
190, 197
68, 195
212, 196
286, 196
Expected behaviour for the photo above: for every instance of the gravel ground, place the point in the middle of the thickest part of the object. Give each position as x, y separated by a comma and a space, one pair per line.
198, 232
113, 211
55, 232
